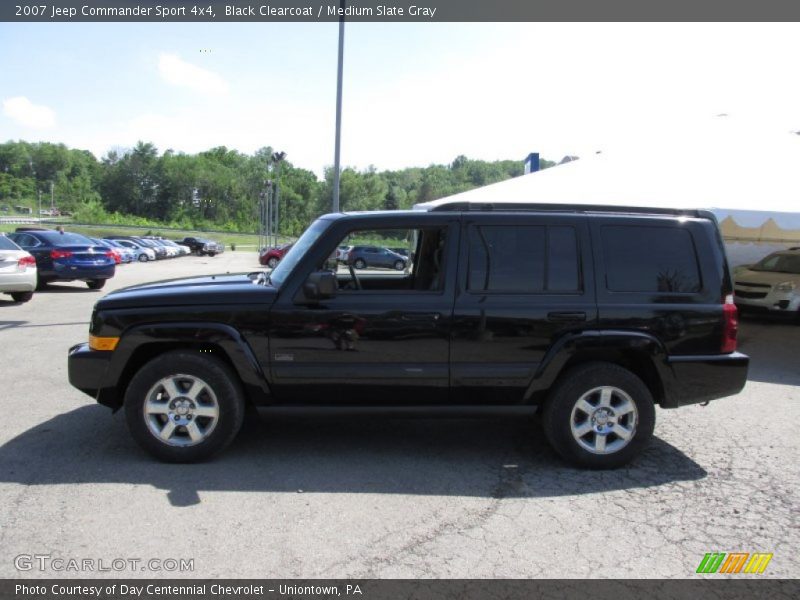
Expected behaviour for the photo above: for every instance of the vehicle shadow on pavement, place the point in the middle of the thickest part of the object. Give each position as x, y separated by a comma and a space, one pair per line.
492, 458
773, 346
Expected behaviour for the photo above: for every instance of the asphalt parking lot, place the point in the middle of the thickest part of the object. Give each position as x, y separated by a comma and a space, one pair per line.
370, 497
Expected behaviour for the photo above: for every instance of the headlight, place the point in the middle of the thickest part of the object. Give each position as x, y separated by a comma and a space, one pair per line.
786, 286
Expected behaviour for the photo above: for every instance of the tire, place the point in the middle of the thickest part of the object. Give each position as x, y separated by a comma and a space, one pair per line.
399, 265
40, 283
360, 263
212, 253
604, 391
142, 257
220, 397
272, 262
198, 252
96, 284
21, 296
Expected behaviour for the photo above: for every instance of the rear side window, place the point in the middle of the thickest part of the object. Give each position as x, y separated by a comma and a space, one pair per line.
650, 259
532, 258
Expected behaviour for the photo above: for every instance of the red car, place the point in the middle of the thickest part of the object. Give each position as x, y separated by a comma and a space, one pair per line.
272, 256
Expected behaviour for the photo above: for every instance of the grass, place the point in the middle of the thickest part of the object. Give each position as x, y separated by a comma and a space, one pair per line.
244, 241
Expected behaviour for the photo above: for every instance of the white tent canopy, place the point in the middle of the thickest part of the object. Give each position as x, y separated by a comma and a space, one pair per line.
747, 177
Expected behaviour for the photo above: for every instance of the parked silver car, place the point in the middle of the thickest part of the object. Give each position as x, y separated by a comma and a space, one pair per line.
772, 284
17, 271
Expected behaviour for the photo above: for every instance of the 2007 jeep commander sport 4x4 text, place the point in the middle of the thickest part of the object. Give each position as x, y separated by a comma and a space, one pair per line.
593, 315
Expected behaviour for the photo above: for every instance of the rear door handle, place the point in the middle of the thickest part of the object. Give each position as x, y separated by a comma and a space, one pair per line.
566, 316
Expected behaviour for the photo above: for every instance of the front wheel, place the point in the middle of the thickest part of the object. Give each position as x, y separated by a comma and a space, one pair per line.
96, 284
399, 265
599, 416
272, 262
142, 257
360, 264
184, 406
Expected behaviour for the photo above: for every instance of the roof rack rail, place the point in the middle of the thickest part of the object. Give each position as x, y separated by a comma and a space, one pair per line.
575, 208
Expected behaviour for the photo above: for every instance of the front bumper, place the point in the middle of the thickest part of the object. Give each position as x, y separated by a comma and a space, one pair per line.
772, 300
697, 379
87, 370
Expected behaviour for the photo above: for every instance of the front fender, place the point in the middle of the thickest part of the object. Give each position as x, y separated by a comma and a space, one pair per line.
140, 343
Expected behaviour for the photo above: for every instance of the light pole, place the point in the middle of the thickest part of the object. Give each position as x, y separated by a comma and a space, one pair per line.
338, 143
277, 159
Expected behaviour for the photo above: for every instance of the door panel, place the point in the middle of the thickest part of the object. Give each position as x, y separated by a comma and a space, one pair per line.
500, 336
368, 347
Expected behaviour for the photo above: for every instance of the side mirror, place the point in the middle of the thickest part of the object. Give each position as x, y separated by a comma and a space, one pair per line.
320, 285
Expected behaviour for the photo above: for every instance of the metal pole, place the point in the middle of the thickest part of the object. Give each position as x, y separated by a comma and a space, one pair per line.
269, 214
336, 155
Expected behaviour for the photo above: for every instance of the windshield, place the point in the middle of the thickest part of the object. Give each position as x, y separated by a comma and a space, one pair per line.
65, 239
7, 244
779, 263
293, 256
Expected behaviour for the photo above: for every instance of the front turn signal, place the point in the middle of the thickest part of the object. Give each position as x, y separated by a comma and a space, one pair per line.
106, 344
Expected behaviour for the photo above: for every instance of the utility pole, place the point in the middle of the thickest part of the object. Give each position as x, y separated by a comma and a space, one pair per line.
277, 159
337, 151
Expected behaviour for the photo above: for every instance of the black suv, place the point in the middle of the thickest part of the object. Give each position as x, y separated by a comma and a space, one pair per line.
593, 315
202, 246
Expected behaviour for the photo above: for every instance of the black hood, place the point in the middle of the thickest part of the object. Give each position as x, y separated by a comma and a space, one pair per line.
208, 290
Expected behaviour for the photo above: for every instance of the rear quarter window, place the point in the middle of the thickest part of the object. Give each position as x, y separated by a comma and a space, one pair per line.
650, 259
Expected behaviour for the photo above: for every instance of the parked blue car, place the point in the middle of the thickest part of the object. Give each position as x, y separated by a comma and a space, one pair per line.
63, 256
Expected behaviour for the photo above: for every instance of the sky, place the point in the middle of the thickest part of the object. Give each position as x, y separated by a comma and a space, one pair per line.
414, 94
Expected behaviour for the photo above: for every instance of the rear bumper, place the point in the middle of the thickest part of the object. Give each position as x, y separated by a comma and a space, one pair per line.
24, 281
697, 379
69, 272
87, 370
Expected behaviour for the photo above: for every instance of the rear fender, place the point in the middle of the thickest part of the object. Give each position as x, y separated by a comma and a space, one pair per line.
610, 345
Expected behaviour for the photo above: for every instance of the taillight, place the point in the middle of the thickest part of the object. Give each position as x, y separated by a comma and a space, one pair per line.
25, 262
60, 254
730, 325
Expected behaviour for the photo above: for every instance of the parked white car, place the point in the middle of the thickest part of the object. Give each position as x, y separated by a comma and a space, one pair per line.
17, 271
772, 284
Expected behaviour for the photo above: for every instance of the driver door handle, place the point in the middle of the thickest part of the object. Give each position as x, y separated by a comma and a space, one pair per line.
566, 316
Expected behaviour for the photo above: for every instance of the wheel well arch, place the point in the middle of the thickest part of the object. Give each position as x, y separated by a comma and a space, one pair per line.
146, 352
637, 362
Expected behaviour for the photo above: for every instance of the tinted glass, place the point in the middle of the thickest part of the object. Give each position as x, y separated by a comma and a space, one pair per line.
65, 239
650, 259
562, 260
7, 244
507, 258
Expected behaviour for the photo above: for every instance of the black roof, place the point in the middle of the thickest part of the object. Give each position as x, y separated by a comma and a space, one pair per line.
573, 208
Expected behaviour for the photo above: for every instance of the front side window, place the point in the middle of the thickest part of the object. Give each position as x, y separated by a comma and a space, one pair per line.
392, 260
650, 259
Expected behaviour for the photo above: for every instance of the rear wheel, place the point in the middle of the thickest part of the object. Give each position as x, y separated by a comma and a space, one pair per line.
184, 407
40, 283
96, 284
21, 296
599, 416
360, 263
